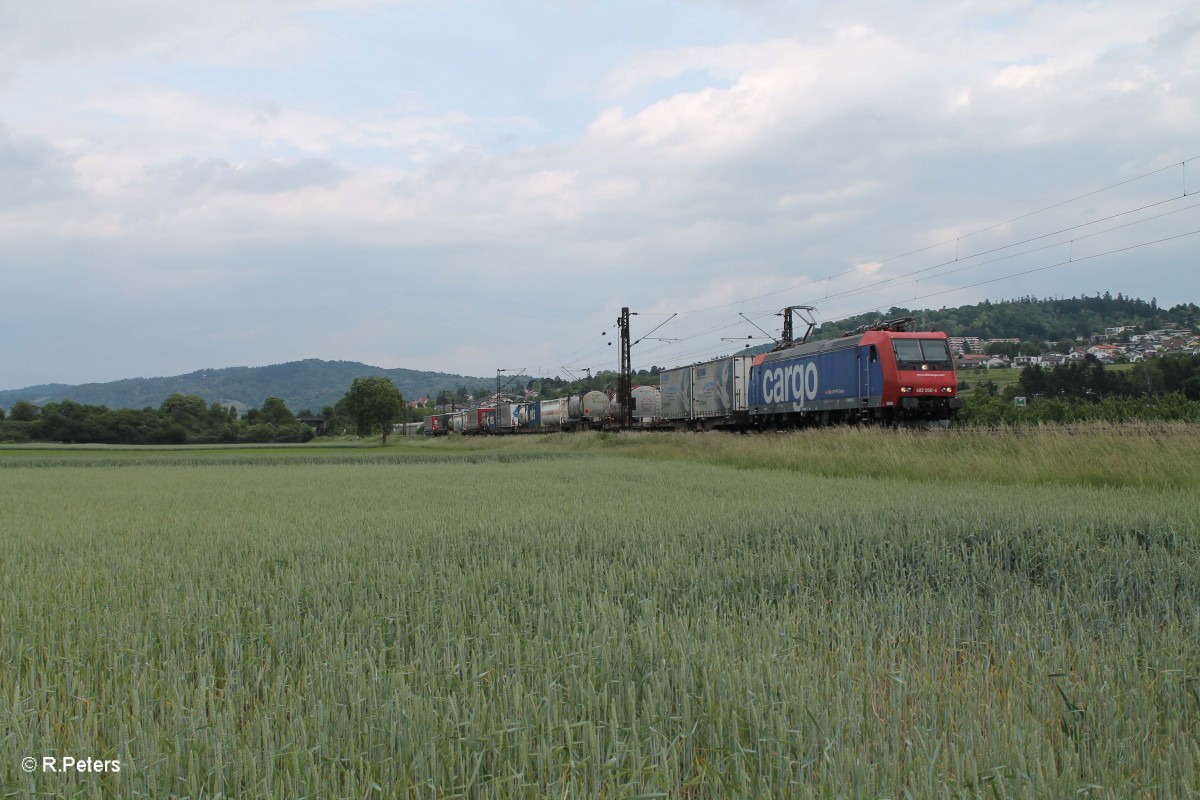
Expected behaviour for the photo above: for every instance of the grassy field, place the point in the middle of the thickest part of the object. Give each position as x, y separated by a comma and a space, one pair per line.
836, 614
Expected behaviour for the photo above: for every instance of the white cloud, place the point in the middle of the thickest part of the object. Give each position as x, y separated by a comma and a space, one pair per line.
705, 174
172, 123
32, 173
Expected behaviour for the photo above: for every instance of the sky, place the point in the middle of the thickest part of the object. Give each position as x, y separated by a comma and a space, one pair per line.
470, 187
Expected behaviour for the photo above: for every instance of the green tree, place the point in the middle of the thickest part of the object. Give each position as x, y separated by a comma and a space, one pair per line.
68, 421
186, 409
1033, 382
1009, 349
275, 412
23, 411
375, 404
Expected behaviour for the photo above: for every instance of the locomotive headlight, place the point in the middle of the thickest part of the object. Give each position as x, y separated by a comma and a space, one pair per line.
906, 390
947, 390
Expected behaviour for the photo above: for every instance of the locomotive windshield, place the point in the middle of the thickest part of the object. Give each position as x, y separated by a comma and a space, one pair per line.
922, 354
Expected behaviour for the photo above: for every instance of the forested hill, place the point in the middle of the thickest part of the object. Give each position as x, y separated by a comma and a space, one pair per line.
1031, 319
310, 384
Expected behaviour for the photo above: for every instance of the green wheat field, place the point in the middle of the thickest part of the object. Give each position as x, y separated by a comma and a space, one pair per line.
841, 614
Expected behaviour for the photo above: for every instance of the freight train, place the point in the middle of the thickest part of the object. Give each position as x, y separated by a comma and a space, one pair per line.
587, 411
881, 373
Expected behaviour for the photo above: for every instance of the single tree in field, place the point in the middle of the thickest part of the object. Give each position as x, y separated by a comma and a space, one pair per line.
375, 404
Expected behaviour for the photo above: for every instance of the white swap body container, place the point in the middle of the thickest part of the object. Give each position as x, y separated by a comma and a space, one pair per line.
716, 388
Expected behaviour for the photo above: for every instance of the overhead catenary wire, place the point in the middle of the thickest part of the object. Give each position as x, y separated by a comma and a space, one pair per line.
1070, 260
711, 350
897, 280
676, 347
704, 350
572, 357
874, 264
720, 327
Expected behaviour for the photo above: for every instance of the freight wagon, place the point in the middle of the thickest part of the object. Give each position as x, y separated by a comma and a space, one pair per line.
589, 408
707, 396
479, 421
577, 412
513, 417
437, 425
647, 408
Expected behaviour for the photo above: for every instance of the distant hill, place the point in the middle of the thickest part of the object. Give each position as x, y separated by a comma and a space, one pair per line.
1031, 319
310, 384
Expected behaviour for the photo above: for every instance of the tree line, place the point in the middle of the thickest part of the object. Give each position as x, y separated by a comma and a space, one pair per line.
370, 407
180, 419
1166, 388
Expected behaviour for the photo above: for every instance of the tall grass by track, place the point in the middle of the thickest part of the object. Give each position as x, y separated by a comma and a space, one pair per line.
1145, 455
1093, 454
595, 627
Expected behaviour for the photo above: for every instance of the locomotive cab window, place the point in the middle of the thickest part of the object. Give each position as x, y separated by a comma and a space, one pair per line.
922, 354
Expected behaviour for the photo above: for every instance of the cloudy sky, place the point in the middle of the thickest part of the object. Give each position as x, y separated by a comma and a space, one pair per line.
469, 186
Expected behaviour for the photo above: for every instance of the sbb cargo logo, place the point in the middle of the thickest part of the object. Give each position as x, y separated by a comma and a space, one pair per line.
796, 383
